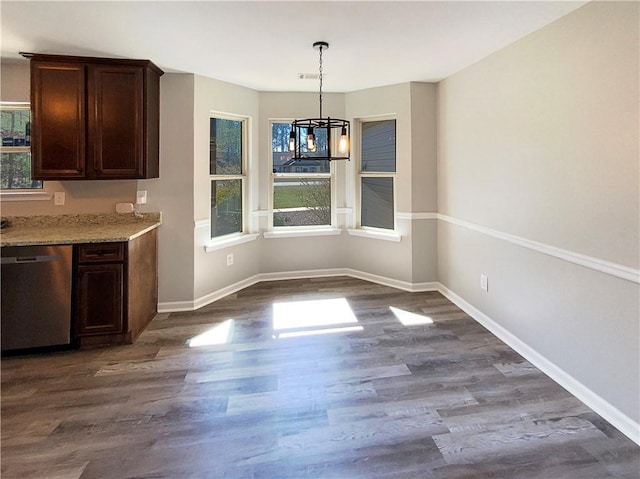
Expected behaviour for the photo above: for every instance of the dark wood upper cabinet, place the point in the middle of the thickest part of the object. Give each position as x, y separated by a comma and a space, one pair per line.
94, 118
58, 109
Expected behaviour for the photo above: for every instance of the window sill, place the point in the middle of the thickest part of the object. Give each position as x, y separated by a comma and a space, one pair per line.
25, 195
381, 235
302, 232
216, 245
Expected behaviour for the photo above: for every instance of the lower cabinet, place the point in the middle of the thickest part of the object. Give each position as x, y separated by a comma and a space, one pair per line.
100, 298
116, 290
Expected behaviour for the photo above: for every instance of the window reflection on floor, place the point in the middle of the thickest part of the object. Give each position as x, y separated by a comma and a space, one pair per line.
307, 318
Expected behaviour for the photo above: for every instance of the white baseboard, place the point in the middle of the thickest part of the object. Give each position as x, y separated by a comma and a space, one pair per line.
618, 419
181, 306
175, 306
394, 283
226, 291
305, 274
178, 306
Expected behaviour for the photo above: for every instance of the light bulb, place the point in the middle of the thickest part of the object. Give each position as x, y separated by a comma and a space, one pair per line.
343, 144
311, 140
292, 141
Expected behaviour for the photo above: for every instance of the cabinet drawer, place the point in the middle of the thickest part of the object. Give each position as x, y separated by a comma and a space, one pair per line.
100, 252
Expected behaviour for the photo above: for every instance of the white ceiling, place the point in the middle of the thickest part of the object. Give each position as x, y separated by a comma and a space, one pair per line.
265, 44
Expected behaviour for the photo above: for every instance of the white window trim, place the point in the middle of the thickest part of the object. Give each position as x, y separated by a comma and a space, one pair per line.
368, 231
376, 233
231, 239
296, 232
226, 241
299, 231
24, 195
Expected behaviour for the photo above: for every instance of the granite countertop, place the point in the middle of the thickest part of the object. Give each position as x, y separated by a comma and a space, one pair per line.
80, 228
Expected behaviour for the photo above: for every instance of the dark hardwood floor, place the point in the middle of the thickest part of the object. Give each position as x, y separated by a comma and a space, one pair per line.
369, 398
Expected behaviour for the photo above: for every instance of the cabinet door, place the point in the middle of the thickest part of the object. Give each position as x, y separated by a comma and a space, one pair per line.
100, 302
58, 116
116, 106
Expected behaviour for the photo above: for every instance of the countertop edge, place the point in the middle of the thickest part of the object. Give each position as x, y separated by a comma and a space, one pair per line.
141, 232
80, 239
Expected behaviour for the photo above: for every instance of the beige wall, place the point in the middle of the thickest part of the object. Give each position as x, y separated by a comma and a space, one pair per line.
211, 272
173, 192
540, 141
424, 180
15, 80
424, 152
551, 124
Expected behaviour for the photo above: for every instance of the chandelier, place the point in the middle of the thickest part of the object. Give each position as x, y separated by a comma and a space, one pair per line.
320, 138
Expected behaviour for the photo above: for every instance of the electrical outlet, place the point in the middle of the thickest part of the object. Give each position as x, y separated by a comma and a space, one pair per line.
58, 198
484, 283
141, 197
229, 259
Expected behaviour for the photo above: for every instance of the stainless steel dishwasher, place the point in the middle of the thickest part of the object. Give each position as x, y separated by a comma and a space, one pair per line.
36, 296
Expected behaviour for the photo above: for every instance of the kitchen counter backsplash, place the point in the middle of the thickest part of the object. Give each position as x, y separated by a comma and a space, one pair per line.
76, 228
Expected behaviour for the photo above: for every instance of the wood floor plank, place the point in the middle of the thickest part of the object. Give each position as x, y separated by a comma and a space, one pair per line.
543, 462
512, 438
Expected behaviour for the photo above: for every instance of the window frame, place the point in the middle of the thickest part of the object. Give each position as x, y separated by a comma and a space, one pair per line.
381, 233
243, 177
20, 193
299, 230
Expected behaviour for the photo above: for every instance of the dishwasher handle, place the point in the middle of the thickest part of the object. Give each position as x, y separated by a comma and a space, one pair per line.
30, 259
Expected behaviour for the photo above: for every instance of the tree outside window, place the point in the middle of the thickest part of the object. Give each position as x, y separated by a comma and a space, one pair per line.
15, 152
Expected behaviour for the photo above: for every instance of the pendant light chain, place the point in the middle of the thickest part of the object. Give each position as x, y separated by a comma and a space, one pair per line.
321, 81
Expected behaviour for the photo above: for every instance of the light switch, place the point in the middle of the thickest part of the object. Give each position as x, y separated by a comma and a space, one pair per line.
484, 282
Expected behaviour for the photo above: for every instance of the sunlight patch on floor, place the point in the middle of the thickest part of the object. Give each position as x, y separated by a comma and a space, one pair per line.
408, 318
219, 334
307, 318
